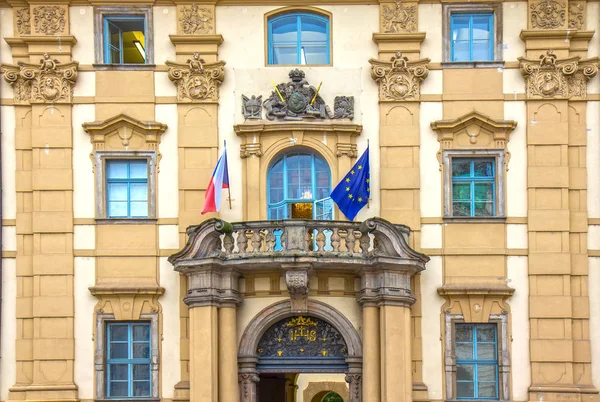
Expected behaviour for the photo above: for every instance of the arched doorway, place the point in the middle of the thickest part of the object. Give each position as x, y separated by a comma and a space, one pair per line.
279, 342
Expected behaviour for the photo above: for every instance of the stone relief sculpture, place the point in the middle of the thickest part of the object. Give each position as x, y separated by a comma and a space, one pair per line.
548, 14
252, 107
49, 20
196, 20
298, 285
23, 21
196, 80
550, 77
399, 17
399, 78
576, 17
343, 107
50, 81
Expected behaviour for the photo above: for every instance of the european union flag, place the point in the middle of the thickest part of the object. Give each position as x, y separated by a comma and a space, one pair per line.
353, 192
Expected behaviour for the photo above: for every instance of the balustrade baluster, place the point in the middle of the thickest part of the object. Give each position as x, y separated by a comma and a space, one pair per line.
320, 239
335, 240
242, 241
270, 240
365, 242
351, 240
228, 243
256, 241
343, 240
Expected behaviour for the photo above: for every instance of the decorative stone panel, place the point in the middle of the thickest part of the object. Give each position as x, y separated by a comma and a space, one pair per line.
196, 80
398, 17
50, 81
399, 79
50, 19
551, 77
577, 14
23, 20
196, 19
548, 14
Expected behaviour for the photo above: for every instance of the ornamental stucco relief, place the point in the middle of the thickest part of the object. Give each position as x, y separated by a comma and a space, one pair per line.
49, 20
399, 79
399, 17
576, 15
551, 77
48, 82
548, 14
23, 21
196, 80
196, 20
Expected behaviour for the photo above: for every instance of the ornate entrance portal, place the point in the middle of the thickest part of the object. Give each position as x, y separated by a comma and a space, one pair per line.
321, 340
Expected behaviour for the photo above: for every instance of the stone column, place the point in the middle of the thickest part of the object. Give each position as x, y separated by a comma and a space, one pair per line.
228, 348
248, 378
371, 366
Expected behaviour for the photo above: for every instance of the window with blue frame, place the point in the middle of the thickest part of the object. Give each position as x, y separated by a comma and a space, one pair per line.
473, 187
127, 188
298, 187
128, 360
124, 39
299, 38
476, 349
472, 37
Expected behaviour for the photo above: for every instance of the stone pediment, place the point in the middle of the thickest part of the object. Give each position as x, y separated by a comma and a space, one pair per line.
123, 132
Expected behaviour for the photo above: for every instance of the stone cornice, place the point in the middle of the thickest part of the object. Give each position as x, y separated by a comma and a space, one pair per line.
199, 39
475, 290
305, 126
474, 117
126, 290
417, 37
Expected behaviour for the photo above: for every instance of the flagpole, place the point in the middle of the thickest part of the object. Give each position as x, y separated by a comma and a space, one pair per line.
369, 199
229, 186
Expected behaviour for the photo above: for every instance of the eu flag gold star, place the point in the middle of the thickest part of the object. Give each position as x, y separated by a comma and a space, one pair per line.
359, 167
349, 195
352, 171
368, 180
359, 199
347, 188
369, 189
347, 180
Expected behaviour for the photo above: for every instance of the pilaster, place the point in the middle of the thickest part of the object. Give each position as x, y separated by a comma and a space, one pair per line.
43, 85
399, 72
556, 90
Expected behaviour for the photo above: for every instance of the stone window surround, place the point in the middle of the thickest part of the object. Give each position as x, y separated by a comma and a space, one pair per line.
449, 9
100, 170
501, 320
99, 13
100, 355
499, 155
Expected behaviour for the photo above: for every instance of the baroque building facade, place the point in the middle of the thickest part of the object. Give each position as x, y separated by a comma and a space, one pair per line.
473, 272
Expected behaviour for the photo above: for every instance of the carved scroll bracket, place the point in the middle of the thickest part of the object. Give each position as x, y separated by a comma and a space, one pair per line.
399, 79
551, 77
48, 82
196, 80
298, 285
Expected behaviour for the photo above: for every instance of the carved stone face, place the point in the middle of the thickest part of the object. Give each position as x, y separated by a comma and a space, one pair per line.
49, 90
197, 89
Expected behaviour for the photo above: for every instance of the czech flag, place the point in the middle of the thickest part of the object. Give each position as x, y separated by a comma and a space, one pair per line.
218, 181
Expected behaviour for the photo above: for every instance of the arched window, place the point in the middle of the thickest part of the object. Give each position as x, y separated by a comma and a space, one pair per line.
299, 185
299, 38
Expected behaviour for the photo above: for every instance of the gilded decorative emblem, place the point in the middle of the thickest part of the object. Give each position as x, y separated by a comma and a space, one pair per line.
196, 20
548, 14
399, 79
550, 77
49, 20
50, 81
399, 17
23, 21
343, 107
196, 80
576, 20
252, 107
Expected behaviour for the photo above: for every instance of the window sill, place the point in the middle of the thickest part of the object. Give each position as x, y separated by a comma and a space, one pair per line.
473, 64
465, 219
124, 67
152, 399
126, 221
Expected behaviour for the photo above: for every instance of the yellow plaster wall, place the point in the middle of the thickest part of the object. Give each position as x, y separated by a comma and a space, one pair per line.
167, 180
593, 158
514, 19
347, 306
170, 365
6, 31
430, 22
519, 340
431, 330
86, 84
431, 176
305, 379
7, 126
516, 177
9, 329
593, 23
163, 85
165, 24
85, 268
594, 292
81, 20
83, 177
250, 308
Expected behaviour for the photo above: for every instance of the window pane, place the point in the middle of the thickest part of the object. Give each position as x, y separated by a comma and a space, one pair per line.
118, 332
313, 29
486, 372
114, 34
285, 29
464, 351
118, 389
461, 167
118, 351
132, 31
141, 350
461, 51
486, 351
117, 209
482, 50
139, 209
314, 54
464, 372
285, 55
115, 56
141, 388
484, 209
464, 333
460, 38
138, 169
141, 372
487, 389
486, 333
464, 390
119, 372
138, 191
141, 332
116, 169
276, 195
461, 191
461, 209
482, 27
117, 191
484, 191
483, 168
